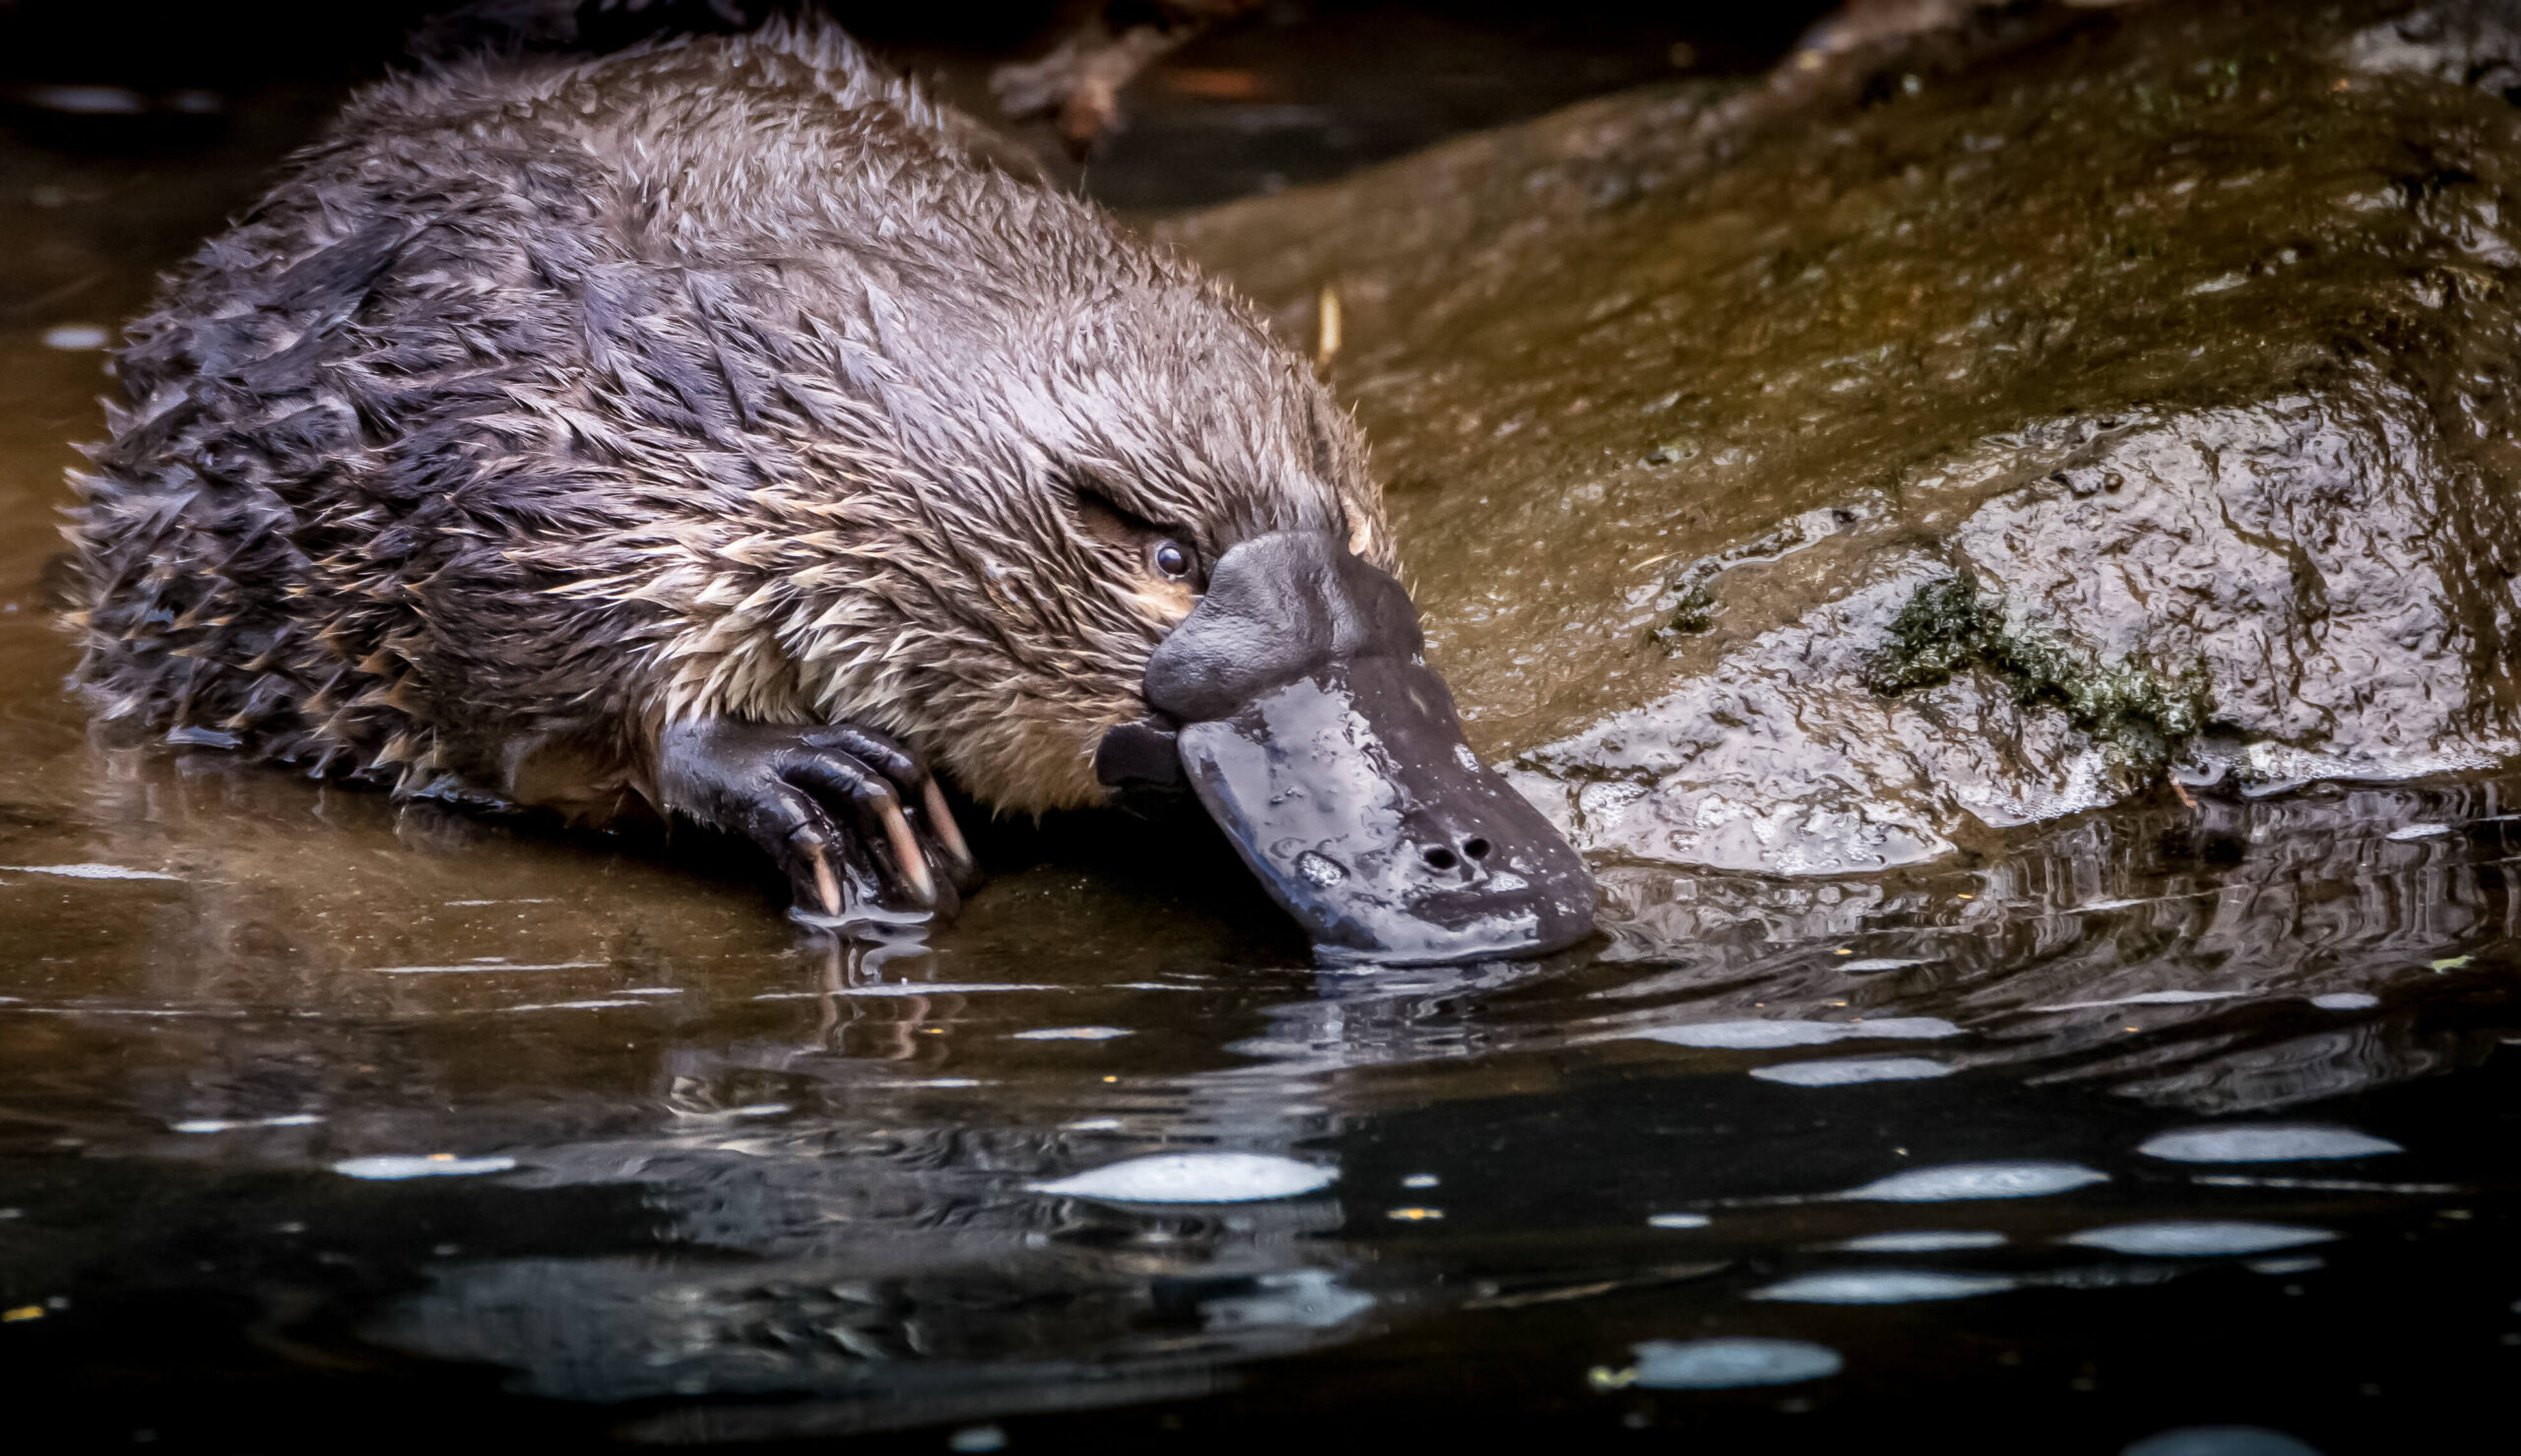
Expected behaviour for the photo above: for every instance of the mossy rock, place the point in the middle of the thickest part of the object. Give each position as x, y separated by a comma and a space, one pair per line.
2185, 333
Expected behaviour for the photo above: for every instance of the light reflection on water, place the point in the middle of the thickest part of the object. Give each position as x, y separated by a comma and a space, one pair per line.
1968, 1181
1718, 1364
2268, 1142
2191, 1239
1883, 1287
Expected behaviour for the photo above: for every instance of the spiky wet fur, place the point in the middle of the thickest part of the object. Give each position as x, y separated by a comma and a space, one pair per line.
547, 401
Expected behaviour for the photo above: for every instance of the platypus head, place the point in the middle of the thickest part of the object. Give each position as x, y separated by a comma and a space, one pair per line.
1061, 513
1296, 700
1210, 604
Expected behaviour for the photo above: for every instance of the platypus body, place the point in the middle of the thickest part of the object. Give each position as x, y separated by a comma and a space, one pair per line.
710, 430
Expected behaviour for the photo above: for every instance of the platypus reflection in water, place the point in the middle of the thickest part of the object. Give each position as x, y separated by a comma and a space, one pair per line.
710, 430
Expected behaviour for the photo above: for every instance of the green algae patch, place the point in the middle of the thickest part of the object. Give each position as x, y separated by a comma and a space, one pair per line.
1942, 629
1693, 612
1946, 627
2141, 711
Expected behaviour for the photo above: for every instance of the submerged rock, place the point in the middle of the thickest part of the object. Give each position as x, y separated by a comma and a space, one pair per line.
1955, 432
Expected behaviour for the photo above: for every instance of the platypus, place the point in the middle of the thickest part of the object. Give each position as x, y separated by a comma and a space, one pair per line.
713, 429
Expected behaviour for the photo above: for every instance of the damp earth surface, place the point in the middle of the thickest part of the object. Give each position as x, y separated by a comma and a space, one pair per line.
1997, 544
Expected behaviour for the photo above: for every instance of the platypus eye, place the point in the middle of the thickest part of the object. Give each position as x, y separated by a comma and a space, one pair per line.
1170, 552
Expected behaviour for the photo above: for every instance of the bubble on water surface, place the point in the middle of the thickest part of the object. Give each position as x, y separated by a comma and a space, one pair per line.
2345, 1001
390, 1166
1848, 1071
75, 338
1963, 1180
2263, 1144
2198, 1237
1727, 1365
1071, 1034
2220, 1440
1196, 1177
1883, 1287
1919, 1241
87, 871
1677, 1221
1761, 1036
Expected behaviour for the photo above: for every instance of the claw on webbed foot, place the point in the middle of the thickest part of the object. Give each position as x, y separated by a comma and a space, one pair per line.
831, 805
811, 848
950, 834
906, 851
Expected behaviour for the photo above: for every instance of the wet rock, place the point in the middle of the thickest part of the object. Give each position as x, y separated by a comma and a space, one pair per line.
1957, 430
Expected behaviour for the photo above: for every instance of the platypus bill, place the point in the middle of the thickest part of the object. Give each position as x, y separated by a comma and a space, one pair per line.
708, 429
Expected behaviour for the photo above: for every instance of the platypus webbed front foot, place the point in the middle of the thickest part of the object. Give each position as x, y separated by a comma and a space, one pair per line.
852, 817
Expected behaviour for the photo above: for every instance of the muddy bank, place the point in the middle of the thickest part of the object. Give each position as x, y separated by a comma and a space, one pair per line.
1952, 433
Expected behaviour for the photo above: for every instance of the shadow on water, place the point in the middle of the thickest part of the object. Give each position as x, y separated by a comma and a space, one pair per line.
322, 1117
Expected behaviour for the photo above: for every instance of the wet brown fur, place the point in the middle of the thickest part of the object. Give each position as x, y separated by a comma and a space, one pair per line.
547, 401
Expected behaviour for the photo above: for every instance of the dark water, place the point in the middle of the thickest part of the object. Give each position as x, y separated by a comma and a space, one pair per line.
656, 1168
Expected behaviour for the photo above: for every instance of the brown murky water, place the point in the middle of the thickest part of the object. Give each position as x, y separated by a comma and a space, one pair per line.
324, 1119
